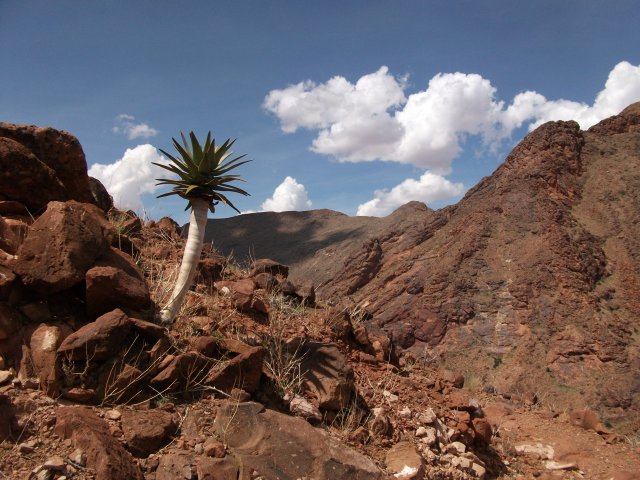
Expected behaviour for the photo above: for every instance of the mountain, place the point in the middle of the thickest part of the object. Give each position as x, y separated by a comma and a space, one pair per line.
530, 284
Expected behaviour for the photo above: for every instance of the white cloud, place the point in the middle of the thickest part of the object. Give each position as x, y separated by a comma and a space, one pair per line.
373, 119
428, 188
131, 176
288, 196
127, 126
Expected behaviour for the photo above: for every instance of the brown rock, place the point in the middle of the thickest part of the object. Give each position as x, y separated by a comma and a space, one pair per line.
175, 466
9, 241
115, 282
25, 178
266, 265
216, 468
206, 345
184, 371
7, 283
59, 151
243, 371
214, 448
241, 292
404, 462
98, 340
80, 395
44, 344
266, 281
120, 384
100, 195
210, 270
249, 432
484, 432
589, 420
104, 453
146, 431
169, 227
62, 244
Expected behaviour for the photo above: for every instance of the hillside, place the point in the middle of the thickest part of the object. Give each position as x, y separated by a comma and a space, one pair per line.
529, 284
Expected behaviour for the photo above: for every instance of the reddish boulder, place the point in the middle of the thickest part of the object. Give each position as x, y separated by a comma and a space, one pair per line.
115, 282
44, 344
266, 265
146, 431
266, 281
243, 371
97, 340
174, 466
100, 195
9, 241
26, 179
216, 468
62, 244
59, 151
241, 292
183, 371
104, 453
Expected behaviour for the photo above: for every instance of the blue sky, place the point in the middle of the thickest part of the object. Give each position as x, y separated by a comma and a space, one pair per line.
355, 106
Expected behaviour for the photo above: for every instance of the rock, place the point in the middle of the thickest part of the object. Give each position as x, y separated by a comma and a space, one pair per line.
25, 178
104, 453
589, 420
554, 466
216, 469
9, 240
169, 227
214, 448
6, 376
79, 395
241, 292
381, 425
115, 282
242, 371
327, 373
427, 417
60, 152
174, 466
301, 407
185, 371
7, 283
146, 431
36, 312
120, 384
484, 432
266, 265
404, 462
7, 417
62, 244
113, 414
538, 450
98, 340
56, 463
249, 431
44, 344
100, 195
302, 291
427, 435
9, 321
206, 344
455, 448
266, 281
210, 270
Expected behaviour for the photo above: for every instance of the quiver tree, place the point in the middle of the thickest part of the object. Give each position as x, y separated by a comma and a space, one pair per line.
203, 181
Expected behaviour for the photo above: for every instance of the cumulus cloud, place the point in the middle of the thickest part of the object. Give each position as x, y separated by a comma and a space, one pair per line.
131, 176
288, 196
126, 125
428, 188
374, 119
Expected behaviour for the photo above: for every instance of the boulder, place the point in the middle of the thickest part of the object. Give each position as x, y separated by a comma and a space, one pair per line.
327, 373
404, 462
268, 441
26, 179
9, 241
184, 371
146, 431
243, 371
174, 466
100, 195
266, 265
44, 344
60, 152
216, 468
98, 340
240, 292
62, 244
105, 454
210, 270
115, 282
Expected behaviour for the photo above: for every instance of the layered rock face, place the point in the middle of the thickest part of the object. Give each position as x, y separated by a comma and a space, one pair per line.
529, 284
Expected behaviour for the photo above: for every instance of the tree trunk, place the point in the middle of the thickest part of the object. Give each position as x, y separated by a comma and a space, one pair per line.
190, 259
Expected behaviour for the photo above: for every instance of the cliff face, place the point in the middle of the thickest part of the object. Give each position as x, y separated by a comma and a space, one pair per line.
531, 283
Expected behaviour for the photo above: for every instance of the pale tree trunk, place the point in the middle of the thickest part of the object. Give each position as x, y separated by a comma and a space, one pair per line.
190, 259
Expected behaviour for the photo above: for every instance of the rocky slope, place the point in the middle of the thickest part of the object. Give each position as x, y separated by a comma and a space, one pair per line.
529, 285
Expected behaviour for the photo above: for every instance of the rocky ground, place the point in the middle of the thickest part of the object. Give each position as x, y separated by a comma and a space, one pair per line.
259, 377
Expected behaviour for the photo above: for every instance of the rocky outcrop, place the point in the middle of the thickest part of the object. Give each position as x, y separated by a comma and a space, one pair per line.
40, 165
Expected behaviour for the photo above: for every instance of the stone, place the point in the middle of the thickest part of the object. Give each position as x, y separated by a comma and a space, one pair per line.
538, 450
120, 384
9, 240
206, 344
210, 270
240, 292
214, 448
44, 343
266, 281
62, 244
242, 371
101, 196
302, 407
266, 265
169, 227
589, 420
6, 376
91, 434
98, 340
326, 372
404, 462
483, 429
60, 152
427, 435
216, 469
56, 463
115, 282
266, 441
79, 395
455, 448
7, 282
182, 372
174, 466
146, 431
9, 321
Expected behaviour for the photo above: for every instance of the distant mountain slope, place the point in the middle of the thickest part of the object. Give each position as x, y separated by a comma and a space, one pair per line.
531, 283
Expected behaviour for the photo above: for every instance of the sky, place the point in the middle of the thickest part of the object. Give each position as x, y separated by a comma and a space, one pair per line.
355, 106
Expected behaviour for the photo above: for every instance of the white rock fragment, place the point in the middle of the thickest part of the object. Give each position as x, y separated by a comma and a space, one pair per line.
543, 452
